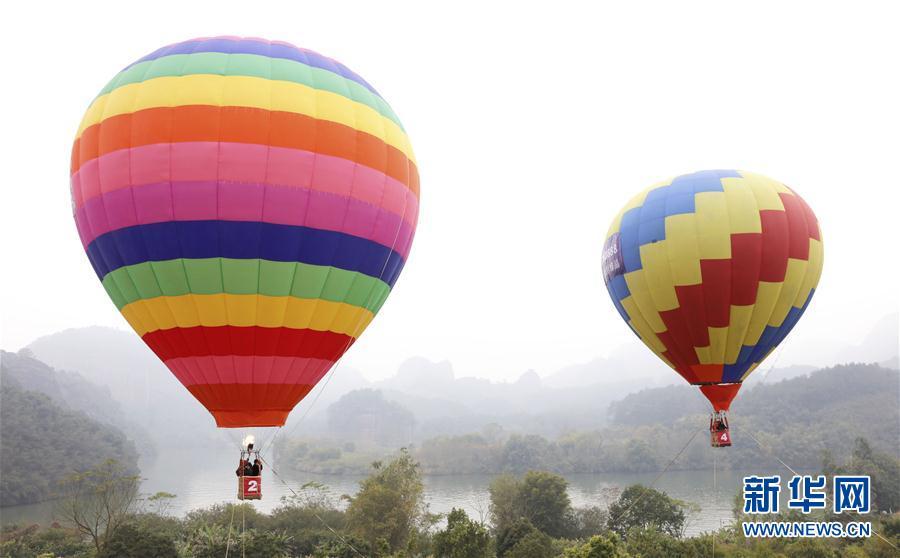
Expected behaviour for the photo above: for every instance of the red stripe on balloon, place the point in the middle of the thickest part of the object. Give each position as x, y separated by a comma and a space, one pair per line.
775, 246
716, 276
746, 252
247, 341
798, 241
693, 313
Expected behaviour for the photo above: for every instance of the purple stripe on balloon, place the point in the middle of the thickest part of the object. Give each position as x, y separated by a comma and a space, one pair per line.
232, 201
261, 47
241, 162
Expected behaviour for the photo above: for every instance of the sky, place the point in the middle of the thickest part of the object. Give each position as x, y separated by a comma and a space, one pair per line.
532, 123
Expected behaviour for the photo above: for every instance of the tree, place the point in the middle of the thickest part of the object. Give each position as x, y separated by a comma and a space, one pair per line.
545, 502
98, 502
389, 503
463, 538
511, 534
540, 497
130, 542
532, 545
599, 546
643, 507
505, 507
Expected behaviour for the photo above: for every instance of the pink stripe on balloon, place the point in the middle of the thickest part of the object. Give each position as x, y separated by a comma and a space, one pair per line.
237, 162
210, 200
213, 370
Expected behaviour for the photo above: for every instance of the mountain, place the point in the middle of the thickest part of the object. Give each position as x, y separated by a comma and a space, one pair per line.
881, 344
150, 395
42, 443
70, 390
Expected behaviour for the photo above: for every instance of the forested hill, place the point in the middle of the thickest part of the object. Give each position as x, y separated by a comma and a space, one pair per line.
71, 390
42, 443
805, 400
796, 420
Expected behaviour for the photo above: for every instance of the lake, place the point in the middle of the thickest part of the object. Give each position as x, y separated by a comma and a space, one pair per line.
200, 480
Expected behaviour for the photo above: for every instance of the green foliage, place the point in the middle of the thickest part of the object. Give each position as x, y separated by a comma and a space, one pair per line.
545, 502
33, 541
608, 546
99, 501
130, 542
642, 507
212, 541
463, 538
587, 522
533, 545
41, 444
510, 535
884, 470
542, 499
389, 503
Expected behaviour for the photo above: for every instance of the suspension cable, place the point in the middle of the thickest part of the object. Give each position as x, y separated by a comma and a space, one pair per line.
317, 516
228, 538
770, 453
243, 528
271, 441
715, 496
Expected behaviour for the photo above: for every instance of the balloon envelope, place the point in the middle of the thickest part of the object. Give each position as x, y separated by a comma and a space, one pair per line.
711, 270
248, 206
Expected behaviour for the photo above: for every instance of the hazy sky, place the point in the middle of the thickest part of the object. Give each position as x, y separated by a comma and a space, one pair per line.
532, 126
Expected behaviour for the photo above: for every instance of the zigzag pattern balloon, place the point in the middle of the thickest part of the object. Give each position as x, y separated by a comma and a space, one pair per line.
248, 206
712, 270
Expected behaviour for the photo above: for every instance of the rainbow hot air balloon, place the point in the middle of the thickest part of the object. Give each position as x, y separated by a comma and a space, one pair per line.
712, 270
248, 205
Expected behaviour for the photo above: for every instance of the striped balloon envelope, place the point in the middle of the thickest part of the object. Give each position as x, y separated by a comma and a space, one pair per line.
248, 206
712, 270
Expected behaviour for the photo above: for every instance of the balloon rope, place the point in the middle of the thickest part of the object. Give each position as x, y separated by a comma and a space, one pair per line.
271, 442
661, 473
770, 453
243, 528
317, 516
715, 495
228, 538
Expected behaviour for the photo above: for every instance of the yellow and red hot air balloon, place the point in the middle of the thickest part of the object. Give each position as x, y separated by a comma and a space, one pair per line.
248, 205
712, 270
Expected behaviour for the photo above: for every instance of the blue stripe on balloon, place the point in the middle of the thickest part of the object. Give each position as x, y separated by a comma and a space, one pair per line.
770, 338
646, 223
242, 240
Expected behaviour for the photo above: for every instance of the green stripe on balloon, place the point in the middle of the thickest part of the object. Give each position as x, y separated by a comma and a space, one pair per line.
251, 65
225, 275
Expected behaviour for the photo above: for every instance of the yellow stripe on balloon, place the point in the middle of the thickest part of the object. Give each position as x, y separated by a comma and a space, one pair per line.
743, 216
766, 299
682, 249
793, 280
658, 275
245, 91
811, 279
711, 221
640, 325
215, 310
738, 322
640, 292
767, 197
718, 339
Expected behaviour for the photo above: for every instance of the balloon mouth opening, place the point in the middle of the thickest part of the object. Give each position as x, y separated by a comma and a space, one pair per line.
251, 418
720, 395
